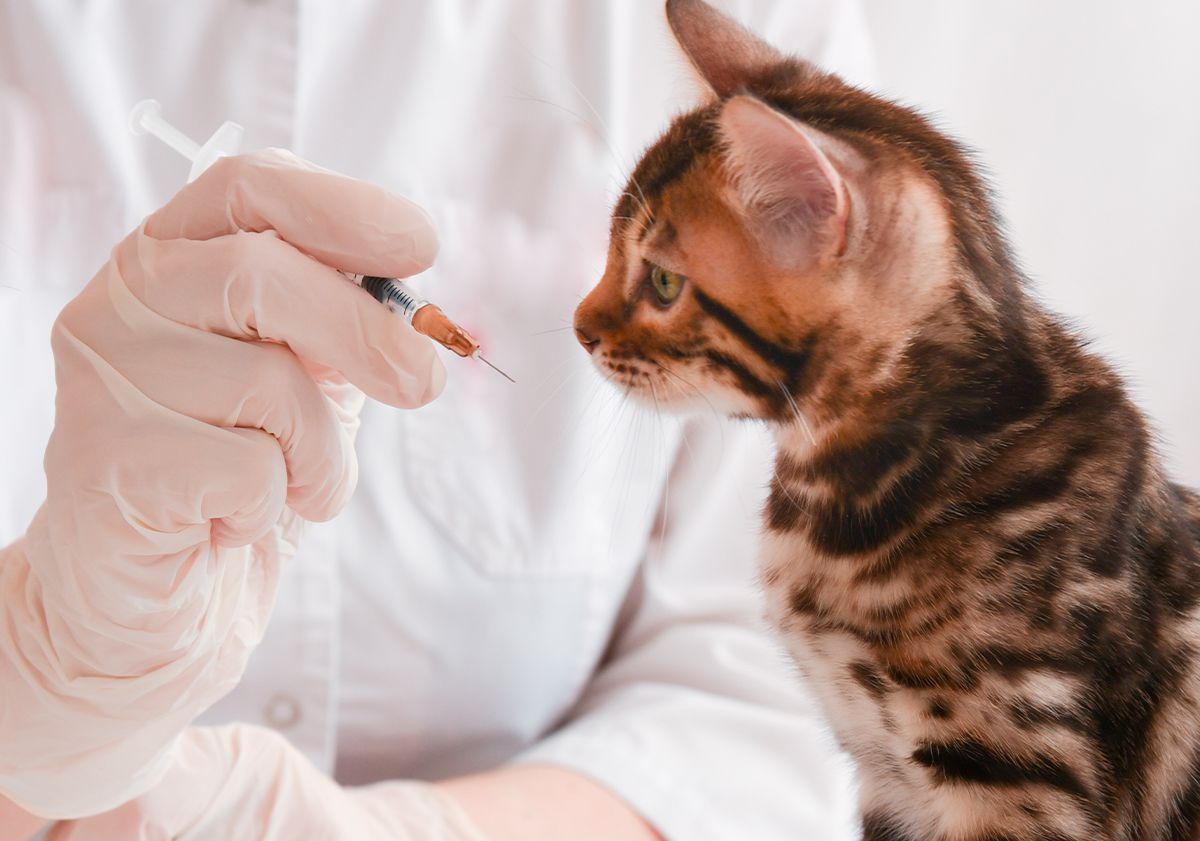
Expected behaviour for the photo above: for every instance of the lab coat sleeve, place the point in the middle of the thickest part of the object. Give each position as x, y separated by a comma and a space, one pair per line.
696, 718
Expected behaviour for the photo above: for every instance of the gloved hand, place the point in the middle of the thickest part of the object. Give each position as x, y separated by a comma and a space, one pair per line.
208, 389
243, 783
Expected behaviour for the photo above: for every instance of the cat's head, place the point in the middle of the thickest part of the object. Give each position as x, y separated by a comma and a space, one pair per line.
784, 243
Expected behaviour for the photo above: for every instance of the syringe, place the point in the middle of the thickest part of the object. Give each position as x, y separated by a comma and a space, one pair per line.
425, 318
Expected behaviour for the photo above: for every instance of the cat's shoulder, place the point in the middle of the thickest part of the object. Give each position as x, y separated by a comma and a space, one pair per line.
1189, 500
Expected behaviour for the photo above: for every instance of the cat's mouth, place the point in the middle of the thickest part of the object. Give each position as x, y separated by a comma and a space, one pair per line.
628, 375
637, 373
647, 381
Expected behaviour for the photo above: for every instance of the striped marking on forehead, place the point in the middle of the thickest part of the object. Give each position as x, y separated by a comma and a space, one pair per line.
650, 231
658, 235
689, 138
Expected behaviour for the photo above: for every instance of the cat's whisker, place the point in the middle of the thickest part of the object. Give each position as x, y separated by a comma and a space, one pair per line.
600, 440
606, 135
664, 504
687, 444
639, 198
786, 491
552, 330
587, 459
600, 126
527, 97
620, 471
553, 372
642, 206
646, 226
577, 418
796, 411
694, 390
554, 392
717, 416
657, 464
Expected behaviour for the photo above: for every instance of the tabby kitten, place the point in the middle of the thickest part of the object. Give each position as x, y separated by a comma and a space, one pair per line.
970, 545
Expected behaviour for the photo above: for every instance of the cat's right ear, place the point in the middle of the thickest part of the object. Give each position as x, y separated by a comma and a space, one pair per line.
792, 195
726, 54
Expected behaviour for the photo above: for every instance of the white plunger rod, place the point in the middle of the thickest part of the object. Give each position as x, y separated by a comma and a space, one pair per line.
147, 117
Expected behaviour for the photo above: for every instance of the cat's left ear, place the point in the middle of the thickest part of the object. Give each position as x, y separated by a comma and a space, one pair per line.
727, 55
791, 193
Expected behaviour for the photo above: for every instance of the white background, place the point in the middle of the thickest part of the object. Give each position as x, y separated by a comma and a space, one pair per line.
1087, 115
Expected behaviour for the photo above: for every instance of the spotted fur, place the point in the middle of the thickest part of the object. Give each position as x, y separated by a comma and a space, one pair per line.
971, 547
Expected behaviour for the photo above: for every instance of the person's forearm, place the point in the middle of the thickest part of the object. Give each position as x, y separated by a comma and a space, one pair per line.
15, 823
546, 803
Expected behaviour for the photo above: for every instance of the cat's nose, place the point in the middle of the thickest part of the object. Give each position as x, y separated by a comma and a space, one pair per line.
589, 344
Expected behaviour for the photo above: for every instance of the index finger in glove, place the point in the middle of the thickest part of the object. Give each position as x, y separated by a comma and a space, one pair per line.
345, 223
255, 287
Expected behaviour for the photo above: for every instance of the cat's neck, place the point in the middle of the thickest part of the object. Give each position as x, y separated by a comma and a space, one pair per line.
856, 481
985, 423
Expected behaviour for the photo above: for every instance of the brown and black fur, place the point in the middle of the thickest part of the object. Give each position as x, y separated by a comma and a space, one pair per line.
974, 553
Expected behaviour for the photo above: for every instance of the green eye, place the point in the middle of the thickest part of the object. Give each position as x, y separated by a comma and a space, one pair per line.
667, 285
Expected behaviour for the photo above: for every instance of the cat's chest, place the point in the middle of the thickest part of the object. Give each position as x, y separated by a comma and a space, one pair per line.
841, 671
817, 595
873, 721
839, 629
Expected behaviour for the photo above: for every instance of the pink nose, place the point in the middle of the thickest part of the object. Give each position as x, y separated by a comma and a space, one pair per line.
589, 344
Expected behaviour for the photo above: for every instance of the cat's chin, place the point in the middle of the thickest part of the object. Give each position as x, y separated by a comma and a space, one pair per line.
677, 402
658, 389
658, 396
648, 399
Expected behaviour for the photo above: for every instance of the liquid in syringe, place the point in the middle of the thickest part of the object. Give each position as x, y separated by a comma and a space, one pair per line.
426, 318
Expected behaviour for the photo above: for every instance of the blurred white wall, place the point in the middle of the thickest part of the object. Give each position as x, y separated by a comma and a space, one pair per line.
1087, 114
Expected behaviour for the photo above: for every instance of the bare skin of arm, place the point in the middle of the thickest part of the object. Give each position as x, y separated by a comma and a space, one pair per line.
546, 803
15, 823
519, 803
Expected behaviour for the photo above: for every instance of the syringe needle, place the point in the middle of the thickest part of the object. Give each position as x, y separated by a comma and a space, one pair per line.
426, 318
497, 370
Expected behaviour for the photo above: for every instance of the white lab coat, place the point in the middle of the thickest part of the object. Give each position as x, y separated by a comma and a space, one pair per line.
531, 572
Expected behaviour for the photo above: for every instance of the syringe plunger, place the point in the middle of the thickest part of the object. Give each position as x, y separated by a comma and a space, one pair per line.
424, 317
147, 118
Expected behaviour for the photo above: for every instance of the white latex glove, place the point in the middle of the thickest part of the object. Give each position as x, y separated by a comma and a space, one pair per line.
243, 783
208, 390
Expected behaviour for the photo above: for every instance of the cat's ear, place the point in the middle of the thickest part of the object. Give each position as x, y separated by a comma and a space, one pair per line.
790, 191
725, 53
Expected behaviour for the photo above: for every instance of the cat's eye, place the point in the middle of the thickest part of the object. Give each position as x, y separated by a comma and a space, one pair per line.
666, 284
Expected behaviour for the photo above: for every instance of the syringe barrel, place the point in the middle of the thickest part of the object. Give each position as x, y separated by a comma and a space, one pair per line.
424, 317
393, 294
